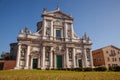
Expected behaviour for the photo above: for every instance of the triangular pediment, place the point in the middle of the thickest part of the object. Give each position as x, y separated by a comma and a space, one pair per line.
57, 14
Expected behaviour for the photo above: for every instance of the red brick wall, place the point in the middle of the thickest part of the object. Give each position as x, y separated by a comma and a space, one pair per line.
98, 58
10, 64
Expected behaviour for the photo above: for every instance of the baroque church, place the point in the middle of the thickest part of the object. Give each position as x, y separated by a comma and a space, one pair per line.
54, 45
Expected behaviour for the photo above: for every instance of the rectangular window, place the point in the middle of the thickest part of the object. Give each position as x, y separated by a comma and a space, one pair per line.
113, 59
106, 51
108, 59
118, 52
58, 33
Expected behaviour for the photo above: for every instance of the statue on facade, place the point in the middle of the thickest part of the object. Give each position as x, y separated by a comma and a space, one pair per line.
70, 53
48, 31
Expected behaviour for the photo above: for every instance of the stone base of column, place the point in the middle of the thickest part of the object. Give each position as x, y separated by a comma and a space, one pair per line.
67, 67
17, 68
39, 67
93, 66
43, 68
26, 67
51, 67
51, 38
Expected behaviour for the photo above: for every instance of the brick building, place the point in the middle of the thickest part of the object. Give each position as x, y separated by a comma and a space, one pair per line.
7, 64
107, 56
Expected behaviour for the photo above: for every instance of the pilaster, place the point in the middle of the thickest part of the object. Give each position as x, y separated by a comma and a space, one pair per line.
18, 57
85, 58
43, 58
91, 59
51, 58
44, 28
74, 61
31, 63
67, 58
54, 34
27, 57
54, 61
51, 31
65, 32
39, 61
72, 31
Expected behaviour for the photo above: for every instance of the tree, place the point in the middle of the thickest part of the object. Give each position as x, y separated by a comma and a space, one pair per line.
5, 55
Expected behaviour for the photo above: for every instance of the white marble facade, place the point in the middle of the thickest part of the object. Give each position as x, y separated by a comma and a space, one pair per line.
54, 45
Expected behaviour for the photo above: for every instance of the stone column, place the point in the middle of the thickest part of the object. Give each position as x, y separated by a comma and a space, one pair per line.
31, 63
43, 58
39, 61
64, 61
54, 34
77, 60
74, 62
65, 32
51, 31
44, 29
91, 59
51, 58
27, 58
67, 58
85, 58
72, 31
62, 34
18, 57
54, 60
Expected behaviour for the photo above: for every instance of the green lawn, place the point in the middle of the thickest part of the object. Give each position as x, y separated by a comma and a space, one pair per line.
57, 75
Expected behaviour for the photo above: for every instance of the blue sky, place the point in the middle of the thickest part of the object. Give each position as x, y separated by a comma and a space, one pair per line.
100, 19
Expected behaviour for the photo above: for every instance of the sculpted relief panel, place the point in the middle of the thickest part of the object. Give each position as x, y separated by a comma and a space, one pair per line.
23, 55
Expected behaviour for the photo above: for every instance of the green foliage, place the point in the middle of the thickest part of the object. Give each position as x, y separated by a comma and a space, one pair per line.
87, 69
5, 56
117, 68
78, 69
111, 69
100, 69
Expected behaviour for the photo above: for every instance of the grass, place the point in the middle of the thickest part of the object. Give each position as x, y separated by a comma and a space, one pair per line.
57, 75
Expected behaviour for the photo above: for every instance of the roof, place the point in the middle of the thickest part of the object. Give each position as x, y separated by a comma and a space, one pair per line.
58, 11
107, 47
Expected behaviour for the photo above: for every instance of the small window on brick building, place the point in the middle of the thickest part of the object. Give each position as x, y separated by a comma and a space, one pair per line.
118, 52
114, 53
108, 59
113, 59
106, 51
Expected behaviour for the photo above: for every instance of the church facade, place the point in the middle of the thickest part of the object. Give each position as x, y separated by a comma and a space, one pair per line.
54, 45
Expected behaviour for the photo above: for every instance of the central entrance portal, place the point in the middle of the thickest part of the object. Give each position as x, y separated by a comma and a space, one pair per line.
35, 63
80, 62
59, 61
